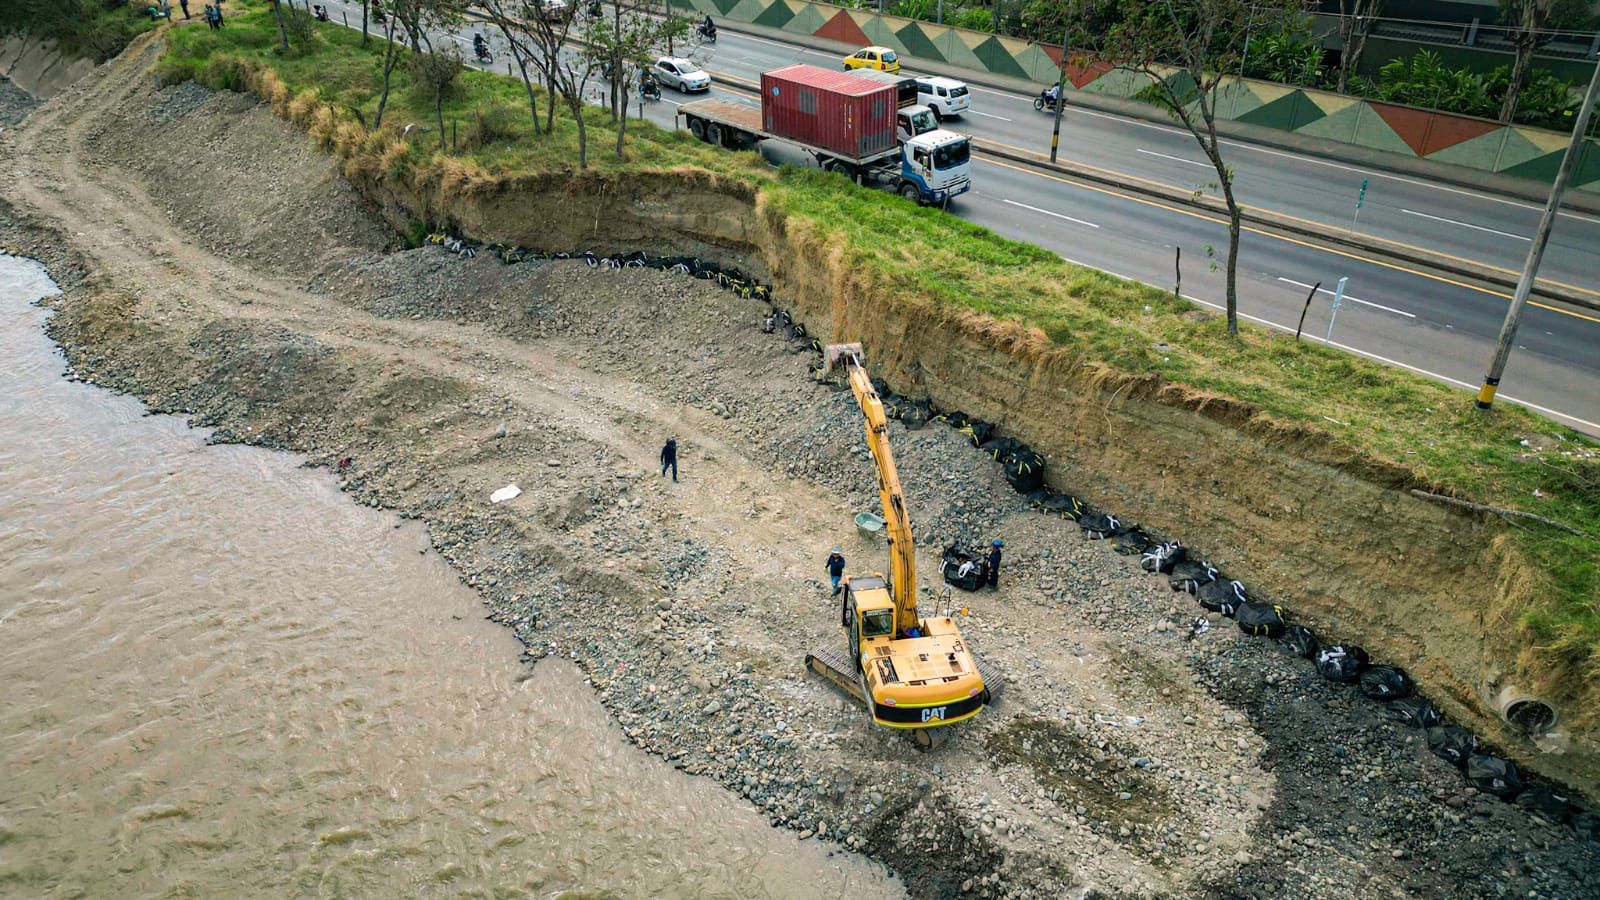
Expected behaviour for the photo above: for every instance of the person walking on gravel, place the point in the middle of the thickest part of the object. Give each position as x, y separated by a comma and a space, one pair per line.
669, 458
994, 564
835, 567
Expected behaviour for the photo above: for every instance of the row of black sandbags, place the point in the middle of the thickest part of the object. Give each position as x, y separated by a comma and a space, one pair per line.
730, 278
1349, 664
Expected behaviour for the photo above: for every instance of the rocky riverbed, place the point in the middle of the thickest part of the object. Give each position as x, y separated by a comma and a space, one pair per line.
1122, 759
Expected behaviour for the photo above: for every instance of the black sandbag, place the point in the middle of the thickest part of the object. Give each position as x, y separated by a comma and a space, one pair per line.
1301, 641
1222, 596
917, 414
1063, 505
1098, 526
1260, 619
1341, 664
1385, 683
1494, 775
1452, 743
1415, 712
1132, 541
963, 568
1546, 801
956, 419
1162, 557
1189, 574
1024, 471
977, 431
882, 387
999, 448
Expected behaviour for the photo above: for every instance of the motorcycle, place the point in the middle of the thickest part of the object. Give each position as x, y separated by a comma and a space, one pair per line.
485, 56
650, 90
595, 11
1043, 103
709, 35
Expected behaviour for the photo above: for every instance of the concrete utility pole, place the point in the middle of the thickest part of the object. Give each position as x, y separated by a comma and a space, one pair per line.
1530, 269
1061, 93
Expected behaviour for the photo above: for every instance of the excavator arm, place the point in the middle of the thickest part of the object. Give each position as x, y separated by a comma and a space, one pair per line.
902, 550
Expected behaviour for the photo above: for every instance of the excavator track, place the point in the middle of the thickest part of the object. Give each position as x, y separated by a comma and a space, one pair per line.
836, 667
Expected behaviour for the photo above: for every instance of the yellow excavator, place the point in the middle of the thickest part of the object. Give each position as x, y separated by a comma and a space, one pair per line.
911, 673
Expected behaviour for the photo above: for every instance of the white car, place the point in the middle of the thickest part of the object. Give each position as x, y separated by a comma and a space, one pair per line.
552, 9
675, 71
947, 97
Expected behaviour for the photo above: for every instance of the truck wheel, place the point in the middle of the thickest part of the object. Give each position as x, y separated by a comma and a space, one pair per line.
698, 129
714, 134
936, 117
910, 192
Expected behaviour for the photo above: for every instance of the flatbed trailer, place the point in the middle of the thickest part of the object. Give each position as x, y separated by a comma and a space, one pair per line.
738, 126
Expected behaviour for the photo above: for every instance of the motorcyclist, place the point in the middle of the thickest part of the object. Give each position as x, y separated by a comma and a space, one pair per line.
647, 83
1053, 94
479, 45
321, 12
708, 28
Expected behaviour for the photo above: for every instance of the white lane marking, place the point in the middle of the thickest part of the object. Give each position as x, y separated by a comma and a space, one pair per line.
1323, 290
1356, 350
1412, 212
1173, 158
973, 112
1049, 213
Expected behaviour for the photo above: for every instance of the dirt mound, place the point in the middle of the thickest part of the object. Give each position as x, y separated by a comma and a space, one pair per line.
225, 170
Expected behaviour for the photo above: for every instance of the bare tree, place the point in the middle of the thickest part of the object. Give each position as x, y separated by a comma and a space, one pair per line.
1187, 48
1355, 17
283, 33
1526, 22
506, 16
365, 38
391, 59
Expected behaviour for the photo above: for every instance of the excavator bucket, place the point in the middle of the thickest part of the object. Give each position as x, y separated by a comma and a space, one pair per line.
835, 353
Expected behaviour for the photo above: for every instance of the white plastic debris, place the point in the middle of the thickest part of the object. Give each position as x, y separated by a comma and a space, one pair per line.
509, 492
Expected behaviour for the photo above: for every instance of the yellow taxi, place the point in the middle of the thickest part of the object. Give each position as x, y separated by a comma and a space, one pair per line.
881, 58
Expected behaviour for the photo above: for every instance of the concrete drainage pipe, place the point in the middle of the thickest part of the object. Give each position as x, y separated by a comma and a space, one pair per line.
1524, 712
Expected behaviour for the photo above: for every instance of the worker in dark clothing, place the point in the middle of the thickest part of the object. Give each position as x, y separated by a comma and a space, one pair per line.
835, 568
184, 5
994, 564
669, 458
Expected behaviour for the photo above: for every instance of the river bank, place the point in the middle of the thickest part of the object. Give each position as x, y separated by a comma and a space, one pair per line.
216, 265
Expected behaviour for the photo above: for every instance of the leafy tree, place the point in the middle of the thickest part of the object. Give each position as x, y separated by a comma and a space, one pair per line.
1287, 58
1187, 48
626, 41
438, 70
1529, 25
566, 74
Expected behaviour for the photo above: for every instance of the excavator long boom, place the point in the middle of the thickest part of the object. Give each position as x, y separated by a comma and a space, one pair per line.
902, 551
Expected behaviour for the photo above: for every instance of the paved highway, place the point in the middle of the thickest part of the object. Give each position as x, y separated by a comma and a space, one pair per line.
1441, 326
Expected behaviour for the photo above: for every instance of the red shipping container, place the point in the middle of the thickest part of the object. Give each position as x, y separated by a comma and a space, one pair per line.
837, 111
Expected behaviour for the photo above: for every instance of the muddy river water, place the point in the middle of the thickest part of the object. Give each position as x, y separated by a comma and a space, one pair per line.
223, 678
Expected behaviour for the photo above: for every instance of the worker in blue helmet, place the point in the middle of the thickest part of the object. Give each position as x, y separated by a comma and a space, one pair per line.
994, 563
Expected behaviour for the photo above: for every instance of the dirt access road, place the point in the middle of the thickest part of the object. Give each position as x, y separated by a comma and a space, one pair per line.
214, 263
